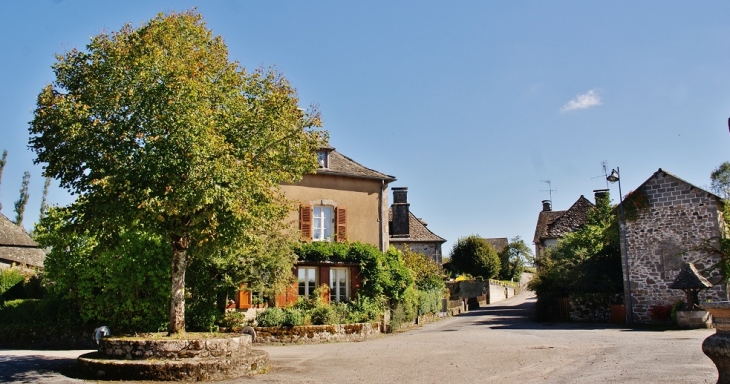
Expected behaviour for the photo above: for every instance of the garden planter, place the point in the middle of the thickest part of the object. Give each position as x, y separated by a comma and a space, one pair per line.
717, 346
694, 319
199, 358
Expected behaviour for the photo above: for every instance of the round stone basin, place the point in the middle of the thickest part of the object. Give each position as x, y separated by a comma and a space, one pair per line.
187, 346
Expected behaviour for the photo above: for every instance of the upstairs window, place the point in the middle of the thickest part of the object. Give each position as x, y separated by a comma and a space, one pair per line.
322, 223
322, 159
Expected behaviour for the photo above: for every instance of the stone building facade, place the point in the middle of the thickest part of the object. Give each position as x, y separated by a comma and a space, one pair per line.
553, 225
667, 219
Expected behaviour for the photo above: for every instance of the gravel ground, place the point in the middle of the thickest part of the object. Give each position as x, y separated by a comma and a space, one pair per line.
493, 344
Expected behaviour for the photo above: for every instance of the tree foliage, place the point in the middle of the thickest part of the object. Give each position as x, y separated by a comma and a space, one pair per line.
587, 260
125, 286
384, 274
427, 274
3, 160
22, 200
720, 180
155, 127
513, 259
475, 256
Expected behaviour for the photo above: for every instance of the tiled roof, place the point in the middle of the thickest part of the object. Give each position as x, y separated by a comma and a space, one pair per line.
556, 224
16, 245
339, 164
498, 243
418, 232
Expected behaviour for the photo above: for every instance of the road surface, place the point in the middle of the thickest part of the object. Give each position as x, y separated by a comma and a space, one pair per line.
494, 344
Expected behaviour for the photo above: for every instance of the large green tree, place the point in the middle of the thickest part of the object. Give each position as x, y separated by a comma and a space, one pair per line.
155, 127
513, 259
587, 260
720, 180
474, 255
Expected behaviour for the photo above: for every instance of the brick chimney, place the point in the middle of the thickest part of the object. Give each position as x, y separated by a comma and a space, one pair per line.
400, 209
547, 205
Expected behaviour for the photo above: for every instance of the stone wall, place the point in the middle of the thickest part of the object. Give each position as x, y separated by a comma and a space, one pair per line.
316, 333
663, 237
590, 307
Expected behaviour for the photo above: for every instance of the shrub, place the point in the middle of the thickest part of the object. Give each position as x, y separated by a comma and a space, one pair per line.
474, 255
429, 301
660, 313
234, 320
364, 309
9, 277
323, 315
272, 317
293, 317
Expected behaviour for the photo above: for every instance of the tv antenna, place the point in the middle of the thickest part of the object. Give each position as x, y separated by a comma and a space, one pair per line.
604, 166
550, 189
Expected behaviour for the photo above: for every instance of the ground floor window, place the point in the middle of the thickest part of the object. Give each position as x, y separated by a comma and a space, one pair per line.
339, 284
307, 277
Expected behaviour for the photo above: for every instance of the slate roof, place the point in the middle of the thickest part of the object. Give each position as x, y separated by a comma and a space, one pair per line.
17, 246
418, 232
556, 224
690, 278
498, 243
341, 165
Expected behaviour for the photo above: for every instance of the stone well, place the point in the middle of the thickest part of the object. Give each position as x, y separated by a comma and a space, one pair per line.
195, 358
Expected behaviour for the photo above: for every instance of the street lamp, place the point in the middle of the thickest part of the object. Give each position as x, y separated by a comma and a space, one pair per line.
614, 177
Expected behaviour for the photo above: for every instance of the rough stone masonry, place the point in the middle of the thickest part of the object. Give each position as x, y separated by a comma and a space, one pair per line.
665, 236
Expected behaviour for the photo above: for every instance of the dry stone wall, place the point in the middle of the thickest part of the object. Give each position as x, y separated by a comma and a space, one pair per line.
664, 237
316, 333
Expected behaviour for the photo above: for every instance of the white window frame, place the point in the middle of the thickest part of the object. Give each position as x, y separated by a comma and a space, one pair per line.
323, 222
305, 275
339, 275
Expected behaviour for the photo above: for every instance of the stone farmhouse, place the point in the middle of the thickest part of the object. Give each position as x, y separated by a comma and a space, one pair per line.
407, 230
553, 225
667, 220
17, 249
342, 201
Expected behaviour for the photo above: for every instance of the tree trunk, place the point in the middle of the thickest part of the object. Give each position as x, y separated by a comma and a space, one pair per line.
177, 297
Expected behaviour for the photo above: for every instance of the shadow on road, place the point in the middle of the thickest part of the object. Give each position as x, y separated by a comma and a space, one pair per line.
521, 315
35, 368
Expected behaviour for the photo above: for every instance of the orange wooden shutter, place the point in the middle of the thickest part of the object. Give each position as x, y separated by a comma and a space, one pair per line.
341, 224
244, 297
355, 281
305, 222
292, 293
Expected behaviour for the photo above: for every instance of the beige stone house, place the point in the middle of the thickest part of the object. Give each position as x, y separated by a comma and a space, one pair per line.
553, 225
667, 220
342, 201
407, 230
17, 249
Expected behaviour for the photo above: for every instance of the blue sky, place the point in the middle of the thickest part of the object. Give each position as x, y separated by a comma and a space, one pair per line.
469, 104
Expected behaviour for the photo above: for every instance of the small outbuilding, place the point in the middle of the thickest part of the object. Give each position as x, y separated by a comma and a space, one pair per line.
17, 249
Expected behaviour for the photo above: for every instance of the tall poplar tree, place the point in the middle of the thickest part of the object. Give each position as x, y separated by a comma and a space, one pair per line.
3, 160
44, 198
23, 199
155, 127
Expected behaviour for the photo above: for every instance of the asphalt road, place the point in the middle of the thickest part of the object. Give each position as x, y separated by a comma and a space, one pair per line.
493, 344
